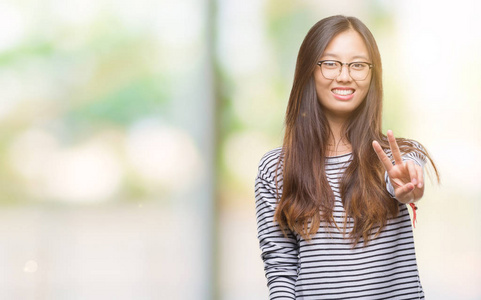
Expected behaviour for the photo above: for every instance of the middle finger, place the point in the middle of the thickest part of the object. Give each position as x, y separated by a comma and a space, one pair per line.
413, 176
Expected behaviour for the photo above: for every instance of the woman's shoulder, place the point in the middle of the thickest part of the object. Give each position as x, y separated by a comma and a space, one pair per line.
269, 162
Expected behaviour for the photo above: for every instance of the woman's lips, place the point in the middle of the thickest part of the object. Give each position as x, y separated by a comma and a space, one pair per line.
343, 93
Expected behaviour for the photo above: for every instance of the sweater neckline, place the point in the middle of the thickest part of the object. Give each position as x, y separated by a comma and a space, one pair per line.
339, 156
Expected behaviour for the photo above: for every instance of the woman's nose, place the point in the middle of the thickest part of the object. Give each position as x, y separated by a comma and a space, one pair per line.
344, 75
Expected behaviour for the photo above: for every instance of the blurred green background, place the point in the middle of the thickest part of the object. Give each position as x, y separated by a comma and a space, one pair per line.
130, 134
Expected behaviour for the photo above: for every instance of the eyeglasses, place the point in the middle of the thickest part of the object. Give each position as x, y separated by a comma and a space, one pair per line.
331, 69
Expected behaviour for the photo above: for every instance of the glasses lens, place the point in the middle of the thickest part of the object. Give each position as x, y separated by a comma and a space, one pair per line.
359, 71
330, 69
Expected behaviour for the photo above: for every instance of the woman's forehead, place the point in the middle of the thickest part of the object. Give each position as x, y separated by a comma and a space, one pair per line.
347, 45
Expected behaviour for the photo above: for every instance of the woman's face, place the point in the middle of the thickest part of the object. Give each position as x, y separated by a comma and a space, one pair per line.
342, 95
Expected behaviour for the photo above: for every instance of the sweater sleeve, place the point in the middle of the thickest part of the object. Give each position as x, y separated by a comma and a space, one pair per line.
279, 253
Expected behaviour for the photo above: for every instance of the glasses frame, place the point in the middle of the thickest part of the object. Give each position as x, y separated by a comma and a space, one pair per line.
319, 63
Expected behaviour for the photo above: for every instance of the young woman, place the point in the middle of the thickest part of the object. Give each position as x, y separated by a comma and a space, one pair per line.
331, 202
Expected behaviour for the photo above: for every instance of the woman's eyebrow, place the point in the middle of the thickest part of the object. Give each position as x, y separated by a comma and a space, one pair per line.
360, 57
354, 57
330, 54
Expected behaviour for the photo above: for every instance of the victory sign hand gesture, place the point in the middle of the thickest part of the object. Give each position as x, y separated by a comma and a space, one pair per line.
406, 177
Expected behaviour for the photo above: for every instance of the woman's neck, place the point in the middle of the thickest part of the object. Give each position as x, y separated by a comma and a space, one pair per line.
337, 143
338, 148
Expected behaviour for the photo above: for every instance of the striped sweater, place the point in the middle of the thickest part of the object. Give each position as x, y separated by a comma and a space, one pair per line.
327, 267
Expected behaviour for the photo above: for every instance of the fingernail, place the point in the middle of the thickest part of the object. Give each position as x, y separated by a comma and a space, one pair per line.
415, 181
420, 185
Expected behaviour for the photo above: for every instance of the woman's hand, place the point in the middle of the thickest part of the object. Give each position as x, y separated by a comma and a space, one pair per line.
407, 178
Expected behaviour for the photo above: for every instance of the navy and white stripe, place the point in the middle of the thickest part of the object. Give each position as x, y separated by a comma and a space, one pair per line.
328, 267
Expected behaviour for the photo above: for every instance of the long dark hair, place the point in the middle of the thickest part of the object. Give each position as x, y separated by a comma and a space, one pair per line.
307, 199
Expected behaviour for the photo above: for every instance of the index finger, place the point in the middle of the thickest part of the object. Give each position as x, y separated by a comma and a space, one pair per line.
382, 156
396, 153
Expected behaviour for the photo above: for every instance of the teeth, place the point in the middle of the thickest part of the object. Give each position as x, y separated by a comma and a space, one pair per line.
342, 92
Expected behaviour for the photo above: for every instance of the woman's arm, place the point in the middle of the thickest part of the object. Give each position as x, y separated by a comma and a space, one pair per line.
279, 253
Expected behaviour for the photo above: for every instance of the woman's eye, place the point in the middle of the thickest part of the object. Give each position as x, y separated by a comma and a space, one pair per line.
330, 64
358, 66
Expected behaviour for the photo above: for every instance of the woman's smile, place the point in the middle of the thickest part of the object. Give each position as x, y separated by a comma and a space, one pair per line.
343, 93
